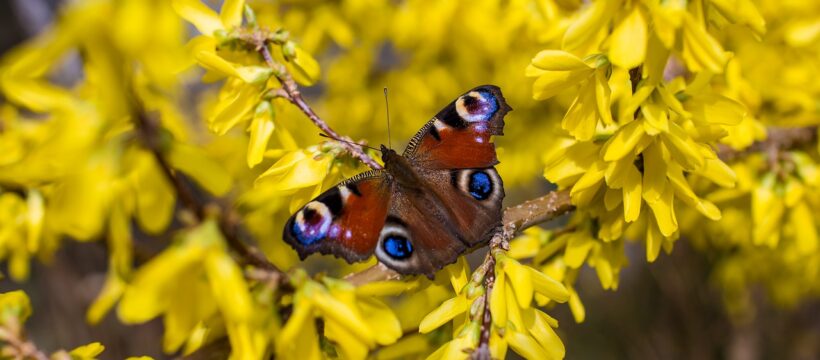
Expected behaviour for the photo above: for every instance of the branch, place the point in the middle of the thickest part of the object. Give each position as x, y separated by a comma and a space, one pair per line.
17, 347
482, 351
291, 93
777, 139
149, 130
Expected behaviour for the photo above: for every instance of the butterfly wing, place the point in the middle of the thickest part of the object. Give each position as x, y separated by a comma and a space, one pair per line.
344, 221
424, 221
427, 229
458, 137
414, 239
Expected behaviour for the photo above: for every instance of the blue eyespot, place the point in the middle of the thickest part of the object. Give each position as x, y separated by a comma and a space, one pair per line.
397, 247
480, 185
478, 106
311, 223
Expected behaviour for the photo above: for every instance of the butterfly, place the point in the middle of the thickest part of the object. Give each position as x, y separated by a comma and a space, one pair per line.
427, 206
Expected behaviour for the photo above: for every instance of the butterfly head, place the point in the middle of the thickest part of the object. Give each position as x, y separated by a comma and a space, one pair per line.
388, 155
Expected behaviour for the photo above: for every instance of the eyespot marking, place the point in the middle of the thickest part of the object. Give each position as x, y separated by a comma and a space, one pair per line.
397, 247
311, 223
477, 106
483, 185
395, 244
480, 185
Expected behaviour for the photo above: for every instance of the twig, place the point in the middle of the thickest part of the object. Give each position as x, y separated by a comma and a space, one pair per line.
378, 272
228, 221
292, 94
532, 212
777, 139
482, 351
17, 347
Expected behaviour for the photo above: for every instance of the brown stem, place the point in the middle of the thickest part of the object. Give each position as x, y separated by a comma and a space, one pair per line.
532, 212
482, 351
17, 347
150, 133
777, 139
292, 94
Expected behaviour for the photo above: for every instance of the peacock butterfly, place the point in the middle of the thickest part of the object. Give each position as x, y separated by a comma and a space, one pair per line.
439, 198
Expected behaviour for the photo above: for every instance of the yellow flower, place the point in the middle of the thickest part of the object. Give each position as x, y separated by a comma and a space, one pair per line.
557, 70
514, 320
201, 279
15, 308
206, 20
225, 50
355, 323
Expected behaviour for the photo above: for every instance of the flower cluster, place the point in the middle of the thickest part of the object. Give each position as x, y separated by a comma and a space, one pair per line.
496, 307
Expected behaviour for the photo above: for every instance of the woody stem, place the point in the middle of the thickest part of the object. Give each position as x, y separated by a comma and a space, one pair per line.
291, 93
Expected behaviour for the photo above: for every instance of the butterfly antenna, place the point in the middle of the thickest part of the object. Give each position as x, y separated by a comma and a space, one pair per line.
387, 109
347, 141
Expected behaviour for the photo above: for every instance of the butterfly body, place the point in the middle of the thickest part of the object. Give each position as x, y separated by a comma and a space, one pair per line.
427, 206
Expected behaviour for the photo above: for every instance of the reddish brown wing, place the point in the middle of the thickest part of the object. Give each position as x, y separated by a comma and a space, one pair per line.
459, 136
426, 230
415, 238
344, 221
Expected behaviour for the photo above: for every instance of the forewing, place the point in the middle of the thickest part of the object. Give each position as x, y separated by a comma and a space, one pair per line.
460, 135
344, 221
